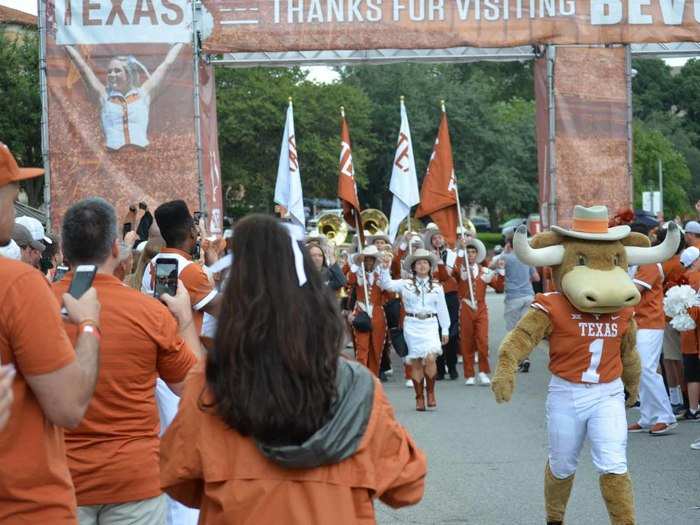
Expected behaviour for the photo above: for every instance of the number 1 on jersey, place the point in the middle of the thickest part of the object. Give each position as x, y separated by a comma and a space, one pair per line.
596, 349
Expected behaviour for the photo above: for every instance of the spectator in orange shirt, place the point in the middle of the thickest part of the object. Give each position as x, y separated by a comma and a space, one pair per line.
54, 381
181, 235
279, 428
113, 454
692, 233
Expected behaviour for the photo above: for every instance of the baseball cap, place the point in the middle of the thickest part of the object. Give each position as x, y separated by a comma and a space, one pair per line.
11, 251
693, 227
10, 171
35, 228
23, 237
689, 256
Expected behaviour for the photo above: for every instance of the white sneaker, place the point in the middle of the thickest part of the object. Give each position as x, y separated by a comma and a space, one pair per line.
470, 382
389, 372
484, 379
695, 445
409, 383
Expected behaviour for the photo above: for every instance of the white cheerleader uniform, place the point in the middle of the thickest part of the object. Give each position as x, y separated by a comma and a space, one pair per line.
424, 307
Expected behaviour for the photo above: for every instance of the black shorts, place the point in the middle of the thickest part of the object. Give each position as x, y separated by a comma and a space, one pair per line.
691, 368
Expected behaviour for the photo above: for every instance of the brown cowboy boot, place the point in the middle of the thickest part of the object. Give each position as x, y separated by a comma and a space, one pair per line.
420, 400
619, 498
430, 381
556, 496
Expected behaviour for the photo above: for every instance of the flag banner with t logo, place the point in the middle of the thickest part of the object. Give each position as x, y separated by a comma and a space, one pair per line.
438, 195
347, 187
404, 182
288, 192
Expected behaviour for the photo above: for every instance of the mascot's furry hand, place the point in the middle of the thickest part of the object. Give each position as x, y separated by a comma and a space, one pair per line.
631, 364
515, 347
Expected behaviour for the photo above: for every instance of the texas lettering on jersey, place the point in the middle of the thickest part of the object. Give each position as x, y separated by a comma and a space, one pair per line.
583, 347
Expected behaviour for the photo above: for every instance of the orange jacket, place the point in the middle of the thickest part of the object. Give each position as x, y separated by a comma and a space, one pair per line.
207, 465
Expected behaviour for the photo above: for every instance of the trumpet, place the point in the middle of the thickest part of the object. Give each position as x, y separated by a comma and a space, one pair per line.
333, 228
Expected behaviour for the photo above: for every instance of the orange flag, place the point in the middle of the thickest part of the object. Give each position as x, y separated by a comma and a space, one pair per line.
438, 194
347, 187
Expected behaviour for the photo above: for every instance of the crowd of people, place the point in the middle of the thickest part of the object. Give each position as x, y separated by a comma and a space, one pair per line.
251, 396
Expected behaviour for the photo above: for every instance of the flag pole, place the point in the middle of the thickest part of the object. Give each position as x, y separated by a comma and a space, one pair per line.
461, 227
360, 238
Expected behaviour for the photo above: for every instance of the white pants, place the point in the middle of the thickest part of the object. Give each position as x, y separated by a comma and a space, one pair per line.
654, 405
176, 513
576, 411
515, 309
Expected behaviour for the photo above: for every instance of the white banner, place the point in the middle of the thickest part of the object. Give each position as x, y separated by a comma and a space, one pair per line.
288, 186
122, 22
404, 181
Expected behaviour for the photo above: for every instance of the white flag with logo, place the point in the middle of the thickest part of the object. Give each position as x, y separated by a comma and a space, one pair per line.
288, 186
404, 181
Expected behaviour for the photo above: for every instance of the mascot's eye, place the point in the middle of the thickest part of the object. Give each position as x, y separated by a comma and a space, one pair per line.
581, 260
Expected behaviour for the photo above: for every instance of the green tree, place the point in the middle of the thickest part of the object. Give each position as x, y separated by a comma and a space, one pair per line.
652, 87
251, 107
650, 146
20, 105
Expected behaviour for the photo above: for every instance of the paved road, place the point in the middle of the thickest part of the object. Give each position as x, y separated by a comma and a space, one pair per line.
486, 461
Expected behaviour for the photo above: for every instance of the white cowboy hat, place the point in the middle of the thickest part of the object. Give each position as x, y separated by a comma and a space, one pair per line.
367, 251
591, 224
431, 230
478, 246
369, 239
418, 255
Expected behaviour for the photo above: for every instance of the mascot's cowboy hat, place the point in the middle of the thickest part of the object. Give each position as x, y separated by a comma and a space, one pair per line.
591, 224
478, 246
418, 255
368, 251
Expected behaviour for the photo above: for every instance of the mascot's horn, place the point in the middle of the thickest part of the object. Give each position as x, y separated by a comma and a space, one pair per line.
548, 256
656, 254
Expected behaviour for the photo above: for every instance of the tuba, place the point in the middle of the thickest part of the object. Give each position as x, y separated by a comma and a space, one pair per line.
416, 226
333, 228
373, 221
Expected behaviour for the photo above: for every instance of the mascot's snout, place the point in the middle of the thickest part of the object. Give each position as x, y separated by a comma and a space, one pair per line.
599, 290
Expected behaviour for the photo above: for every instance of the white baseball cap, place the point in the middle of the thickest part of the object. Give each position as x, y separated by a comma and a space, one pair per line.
689, 256
35, 228
11, 251
693, 227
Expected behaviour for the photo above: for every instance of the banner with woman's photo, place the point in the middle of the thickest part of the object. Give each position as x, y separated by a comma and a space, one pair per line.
121, 105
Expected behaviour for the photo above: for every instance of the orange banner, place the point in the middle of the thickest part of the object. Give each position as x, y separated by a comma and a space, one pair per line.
284, 25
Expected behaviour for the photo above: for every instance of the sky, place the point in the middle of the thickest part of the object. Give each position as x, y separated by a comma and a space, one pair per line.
316, 73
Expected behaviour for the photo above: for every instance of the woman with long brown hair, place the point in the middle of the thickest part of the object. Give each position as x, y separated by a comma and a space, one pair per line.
277, 427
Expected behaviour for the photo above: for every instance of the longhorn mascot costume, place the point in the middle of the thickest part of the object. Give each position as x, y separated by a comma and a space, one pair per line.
591, 330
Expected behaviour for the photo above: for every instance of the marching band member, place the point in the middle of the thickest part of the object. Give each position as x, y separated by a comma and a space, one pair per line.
435, 242
424, 302
364, 275
472, 281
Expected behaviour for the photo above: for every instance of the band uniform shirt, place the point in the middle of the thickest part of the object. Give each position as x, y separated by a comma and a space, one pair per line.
583, 347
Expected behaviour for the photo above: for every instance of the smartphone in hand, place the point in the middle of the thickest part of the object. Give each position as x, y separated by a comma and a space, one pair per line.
166, 277
82, 280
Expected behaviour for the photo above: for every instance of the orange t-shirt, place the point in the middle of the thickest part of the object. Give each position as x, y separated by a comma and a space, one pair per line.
206, 464
649, 313
673, 272
35, 485
113, 454
583, 347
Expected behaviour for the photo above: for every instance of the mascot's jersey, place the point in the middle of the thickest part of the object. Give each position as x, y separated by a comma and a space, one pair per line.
583, 347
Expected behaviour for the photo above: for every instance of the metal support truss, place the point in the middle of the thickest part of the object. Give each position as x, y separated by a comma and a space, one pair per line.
455, 54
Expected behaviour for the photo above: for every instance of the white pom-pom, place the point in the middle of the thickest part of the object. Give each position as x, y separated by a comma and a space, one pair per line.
676, 304
683, 323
